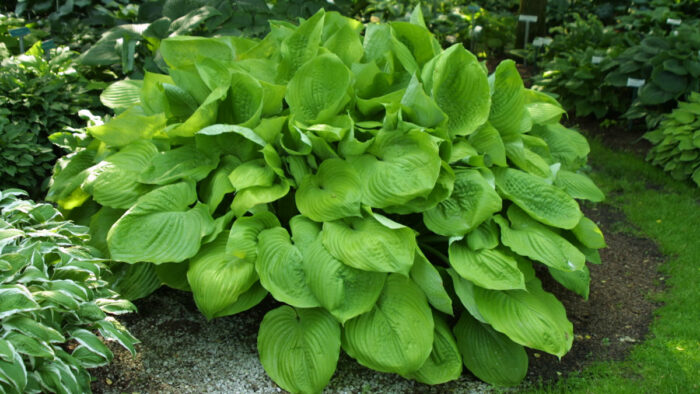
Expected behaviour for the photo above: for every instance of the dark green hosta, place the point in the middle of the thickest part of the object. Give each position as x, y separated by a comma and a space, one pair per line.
53, 301
380, 186
677, 141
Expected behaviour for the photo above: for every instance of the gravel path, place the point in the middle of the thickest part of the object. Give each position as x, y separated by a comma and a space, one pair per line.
183, 353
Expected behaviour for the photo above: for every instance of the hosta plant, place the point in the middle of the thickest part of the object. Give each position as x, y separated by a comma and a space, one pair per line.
580, 84
392, 195
53, 301
677, 141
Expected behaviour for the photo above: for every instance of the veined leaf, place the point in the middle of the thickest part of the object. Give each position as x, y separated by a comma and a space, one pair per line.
487, 268
444, 363
344, 291
217, 279
299, 348
114, 182
472, 201
401, 167
539, 199
334, 192
532, 317
397, 334
366, 244
319, 90
490, 355
429, 280
459, 86
160, 227
280, 266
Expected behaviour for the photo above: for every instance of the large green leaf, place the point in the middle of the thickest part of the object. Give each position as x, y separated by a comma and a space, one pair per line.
527, 237
488, 354
565, 145
344, 291
576, 281
539, 199
397, 334
217, 279
487, 268
532, 317
488, 142
243, 237
161, 227
122, 94
578, 186
134, 281
244, 101
302, 45
508, 114
459, 86
589, 234
333, 193
444, 363
299, 348
186, 162
129, 126
183, 51
420, 108
401, 167
280, 266
473, 200
319, 90
367, 244
429, 280
114, 182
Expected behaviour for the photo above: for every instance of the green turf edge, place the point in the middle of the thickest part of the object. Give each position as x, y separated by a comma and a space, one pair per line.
667, 212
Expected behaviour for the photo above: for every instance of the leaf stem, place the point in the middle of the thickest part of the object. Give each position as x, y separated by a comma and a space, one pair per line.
435, 252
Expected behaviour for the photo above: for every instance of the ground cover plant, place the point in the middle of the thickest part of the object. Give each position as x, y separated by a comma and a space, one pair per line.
418, 192
52, 301
677, 141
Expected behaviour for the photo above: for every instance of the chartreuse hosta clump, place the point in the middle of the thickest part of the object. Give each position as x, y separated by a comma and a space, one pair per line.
389, 192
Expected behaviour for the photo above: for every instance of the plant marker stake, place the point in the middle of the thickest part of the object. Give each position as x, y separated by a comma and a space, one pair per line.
20, 32
596, 59
527, 19
637, 84
47, 46
538, 43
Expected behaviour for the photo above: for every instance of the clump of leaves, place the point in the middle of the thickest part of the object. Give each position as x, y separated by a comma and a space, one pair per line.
37, 98
392, 194
52, 301
677, 141
577, 78
669, 65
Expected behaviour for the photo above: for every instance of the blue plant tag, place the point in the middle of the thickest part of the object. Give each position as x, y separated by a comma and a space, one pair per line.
48, 44
19, 32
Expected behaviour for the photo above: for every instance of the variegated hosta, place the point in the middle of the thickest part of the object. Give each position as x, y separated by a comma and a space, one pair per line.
392, 194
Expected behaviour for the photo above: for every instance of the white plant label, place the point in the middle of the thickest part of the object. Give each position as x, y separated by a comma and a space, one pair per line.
596, 59
672, 21
527, 18
541, 41
635, 83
